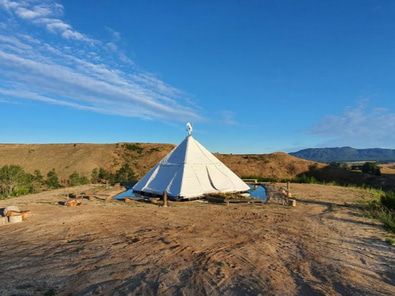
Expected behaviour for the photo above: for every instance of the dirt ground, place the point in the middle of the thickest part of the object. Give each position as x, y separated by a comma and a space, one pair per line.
323, 246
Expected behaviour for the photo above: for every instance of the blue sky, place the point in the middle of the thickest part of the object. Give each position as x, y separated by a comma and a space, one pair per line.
251, 76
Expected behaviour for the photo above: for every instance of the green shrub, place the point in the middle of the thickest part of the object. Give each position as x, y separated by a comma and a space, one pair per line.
390, 241
380, 212
76, 179
388, 200
125, 175
52, 179
371, 168
20, 191
388, 219
305, 179
134, 147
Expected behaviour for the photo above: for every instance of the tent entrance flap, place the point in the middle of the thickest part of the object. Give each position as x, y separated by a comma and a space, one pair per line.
209, 178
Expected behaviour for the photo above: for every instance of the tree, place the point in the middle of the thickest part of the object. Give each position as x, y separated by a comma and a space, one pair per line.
52, 179
38, 177
125, 175
371, 168
95, 176
13, 180
76, 179
36, 181
105, 176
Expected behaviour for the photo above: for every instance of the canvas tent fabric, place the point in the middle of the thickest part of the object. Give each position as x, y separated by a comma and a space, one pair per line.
189, 171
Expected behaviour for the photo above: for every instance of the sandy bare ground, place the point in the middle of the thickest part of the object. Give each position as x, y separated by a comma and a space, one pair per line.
320, 247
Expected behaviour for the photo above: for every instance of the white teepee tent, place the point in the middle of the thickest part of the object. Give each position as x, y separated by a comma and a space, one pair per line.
189, 171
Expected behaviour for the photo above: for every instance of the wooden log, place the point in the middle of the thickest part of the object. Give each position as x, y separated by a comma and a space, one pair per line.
3, 221
15, 218
72, 203
13, 213
26, 214
292, 202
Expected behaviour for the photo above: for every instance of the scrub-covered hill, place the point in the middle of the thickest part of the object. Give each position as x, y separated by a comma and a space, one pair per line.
141, 157
82, 158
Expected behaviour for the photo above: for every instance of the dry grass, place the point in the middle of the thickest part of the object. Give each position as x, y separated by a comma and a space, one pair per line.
141, 157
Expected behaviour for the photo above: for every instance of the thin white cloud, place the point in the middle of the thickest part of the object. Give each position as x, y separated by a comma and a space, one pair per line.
75, 74
37, 12
10, 5
227, 117
114, 34
46, 14
358, 126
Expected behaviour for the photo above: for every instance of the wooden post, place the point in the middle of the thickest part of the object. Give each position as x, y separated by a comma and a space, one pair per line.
288, 189
165, 199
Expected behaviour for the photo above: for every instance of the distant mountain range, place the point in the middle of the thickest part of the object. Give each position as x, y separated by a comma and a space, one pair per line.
346, 154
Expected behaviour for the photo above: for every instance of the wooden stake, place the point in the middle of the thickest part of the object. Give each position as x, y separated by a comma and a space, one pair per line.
288, 189
165, 199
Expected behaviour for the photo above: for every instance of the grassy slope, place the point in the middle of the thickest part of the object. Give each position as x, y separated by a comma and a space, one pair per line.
83, 158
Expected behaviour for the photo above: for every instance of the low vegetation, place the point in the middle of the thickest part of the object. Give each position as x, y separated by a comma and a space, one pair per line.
371, 168
302, 179
14, 181
124, 175
383, 208
134, 147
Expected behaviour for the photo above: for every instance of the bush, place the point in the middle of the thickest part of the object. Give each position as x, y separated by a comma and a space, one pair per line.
52, 179
95, 176
305, 179
20, 191
76, 179
125, 175
105, 176
13, 179
383, 209
134, 147
371, 168
390, 241
388, 200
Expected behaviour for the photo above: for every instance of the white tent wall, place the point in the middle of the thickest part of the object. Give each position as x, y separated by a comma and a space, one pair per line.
195, 182
189, 171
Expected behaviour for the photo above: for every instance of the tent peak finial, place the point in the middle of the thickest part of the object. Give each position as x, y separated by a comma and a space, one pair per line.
189, 128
